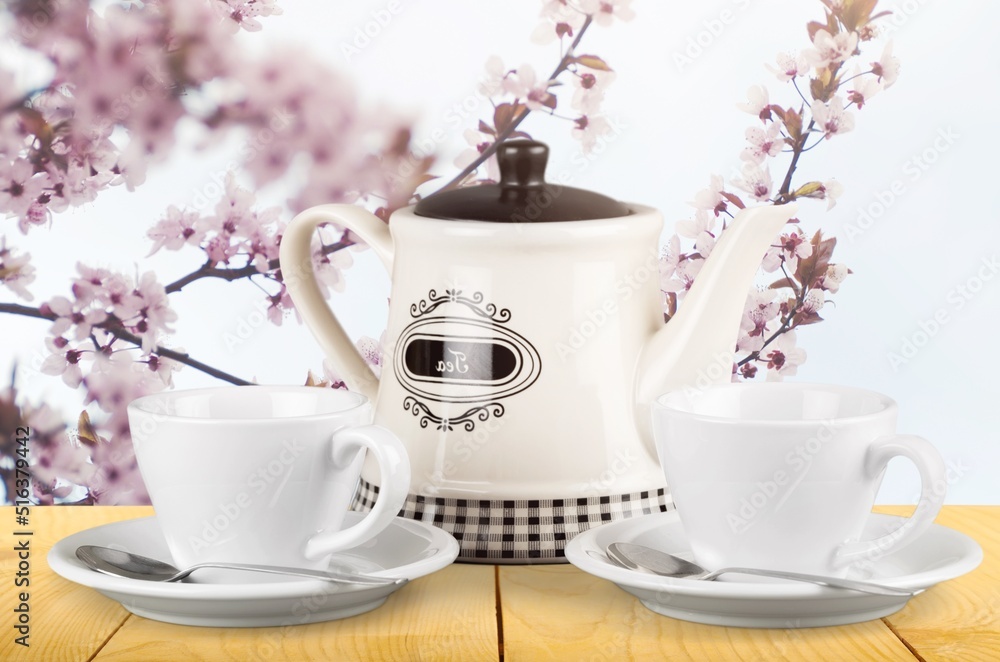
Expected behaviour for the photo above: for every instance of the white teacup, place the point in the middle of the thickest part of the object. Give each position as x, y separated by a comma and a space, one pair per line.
784, 475
263, 474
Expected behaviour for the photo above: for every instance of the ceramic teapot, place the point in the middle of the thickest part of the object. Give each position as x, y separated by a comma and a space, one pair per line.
525, 343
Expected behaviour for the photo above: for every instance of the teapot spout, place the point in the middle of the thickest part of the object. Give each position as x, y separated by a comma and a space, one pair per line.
697, 345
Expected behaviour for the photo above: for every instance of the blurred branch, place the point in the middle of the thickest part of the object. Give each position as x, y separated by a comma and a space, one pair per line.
208, 271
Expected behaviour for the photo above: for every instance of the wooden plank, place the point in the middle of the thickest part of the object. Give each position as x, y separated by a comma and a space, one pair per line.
959, 619
450, 615
68, 621
559, 612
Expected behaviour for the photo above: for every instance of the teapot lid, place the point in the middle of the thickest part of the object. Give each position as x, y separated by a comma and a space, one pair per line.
522, 195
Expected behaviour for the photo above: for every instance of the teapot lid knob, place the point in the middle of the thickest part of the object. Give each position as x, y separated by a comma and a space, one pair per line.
522, 195
522, 163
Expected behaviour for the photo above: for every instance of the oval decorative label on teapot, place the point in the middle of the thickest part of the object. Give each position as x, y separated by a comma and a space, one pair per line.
458, 351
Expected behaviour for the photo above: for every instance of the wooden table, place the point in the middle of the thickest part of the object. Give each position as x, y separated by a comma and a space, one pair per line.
469, 612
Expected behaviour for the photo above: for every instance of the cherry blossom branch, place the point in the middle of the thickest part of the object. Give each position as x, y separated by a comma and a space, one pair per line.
797, 150
786, 326
117, 332
209, 271
564, 63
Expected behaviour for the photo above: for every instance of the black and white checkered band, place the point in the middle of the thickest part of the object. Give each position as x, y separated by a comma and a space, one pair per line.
518, 531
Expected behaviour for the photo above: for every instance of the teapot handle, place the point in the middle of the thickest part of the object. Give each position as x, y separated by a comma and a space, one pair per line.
295, 257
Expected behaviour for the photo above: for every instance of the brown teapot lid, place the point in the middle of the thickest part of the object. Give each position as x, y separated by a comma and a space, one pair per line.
522, 195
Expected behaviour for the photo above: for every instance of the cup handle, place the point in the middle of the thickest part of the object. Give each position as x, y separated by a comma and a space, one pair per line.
932, 491
295, 258
394, 468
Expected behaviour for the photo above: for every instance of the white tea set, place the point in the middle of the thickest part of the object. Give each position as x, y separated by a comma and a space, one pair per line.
533, 407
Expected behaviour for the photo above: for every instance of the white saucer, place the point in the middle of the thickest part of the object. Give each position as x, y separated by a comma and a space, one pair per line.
743, 601
407, 548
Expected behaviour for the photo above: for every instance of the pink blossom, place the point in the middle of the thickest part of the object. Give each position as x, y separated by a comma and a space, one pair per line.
245, 12
758, 102
117, 480
329, 269
177, 229
57, 462
683, 278
700, 228
589, 89
834, 276
783, 357
763, 143
371, 351
73, 314
63, 360
479, 142
794, 246
559, 19
118, 294
605, 11
220, 250
831, 190
789, 66
831, 49
492, 83
156, 312
692, 228
331, 377
20, 186
37, 214
864, 88
813, 301
279, 306
90, 282
669, 258
77, 185
756, 181
113, 382
16, 271
772, 260
523, 84
704, 244
887, 68
832, 118
588, 130
761, 308
163, 368
710, 199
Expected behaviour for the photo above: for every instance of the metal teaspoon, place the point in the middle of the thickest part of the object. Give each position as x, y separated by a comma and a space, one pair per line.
132, 566
639, 557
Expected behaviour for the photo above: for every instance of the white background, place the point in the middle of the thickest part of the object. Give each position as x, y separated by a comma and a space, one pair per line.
679, 125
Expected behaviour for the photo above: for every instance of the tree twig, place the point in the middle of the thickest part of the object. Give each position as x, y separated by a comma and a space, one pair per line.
118, 332
228, 274
516, 121
786, 185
